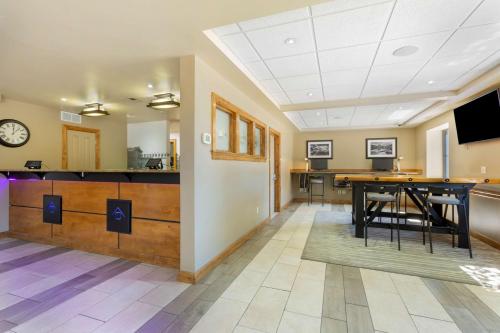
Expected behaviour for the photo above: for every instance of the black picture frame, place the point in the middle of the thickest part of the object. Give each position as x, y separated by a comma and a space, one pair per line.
381, 142
315, 149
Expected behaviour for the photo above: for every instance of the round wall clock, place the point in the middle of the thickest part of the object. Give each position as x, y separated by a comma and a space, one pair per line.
13, 133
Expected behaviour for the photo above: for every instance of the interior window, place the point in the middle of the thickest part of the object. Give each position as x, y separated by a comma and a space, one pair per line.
223, 130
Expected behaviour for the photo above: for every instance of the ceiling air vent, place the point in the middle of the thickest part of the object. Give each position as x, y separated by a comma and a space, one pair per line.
71, 117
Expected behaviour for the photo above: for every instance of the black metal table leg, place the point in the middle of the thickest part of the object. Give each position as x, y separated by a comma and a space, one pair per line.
463, 239
358, 208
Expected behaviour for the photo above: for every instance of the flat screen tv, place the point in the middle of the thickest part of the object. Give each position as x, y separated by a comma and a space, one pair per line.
480, 119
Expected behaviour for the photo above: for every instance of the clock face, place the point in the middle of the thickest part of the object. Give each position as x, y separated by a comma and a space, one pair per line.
13, 133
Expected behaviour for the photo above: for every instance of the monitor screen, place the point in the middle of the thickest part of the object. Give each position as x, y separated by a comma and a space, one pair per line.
479, 120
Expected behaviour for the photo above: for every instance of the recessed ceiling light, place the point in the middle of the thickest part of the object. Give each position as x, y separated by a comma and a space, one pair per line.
150, 85
290, 41
405, 51
430, 82
130, 116
318, 113
63, 99
309, 94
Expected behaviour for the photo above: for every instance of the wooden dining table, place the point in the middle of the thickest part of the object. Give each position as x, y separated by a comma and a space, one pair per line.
414, 187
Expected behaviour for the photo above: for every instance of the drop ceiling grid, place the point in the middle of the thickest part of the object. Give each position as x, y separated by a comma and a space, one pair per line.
295, 89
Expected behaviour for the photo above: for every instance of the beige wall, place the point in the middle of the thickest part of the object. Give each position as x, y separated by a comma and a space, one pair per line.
46, 138
349, 150
226, 194
465, 160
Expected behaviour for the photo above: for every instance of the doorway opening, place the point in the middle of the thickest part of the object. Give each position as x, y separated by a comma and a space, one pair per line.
437, 152
81, 148
274, 172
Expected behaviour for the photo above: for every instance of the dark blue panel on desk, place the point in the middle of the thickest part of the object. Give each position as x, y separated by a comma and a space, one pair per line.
52, 209
119, 216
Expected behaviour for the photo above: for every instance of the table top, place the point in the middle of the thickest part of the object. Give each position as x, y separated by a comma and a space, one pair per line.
88, 171
357, 171
415, 179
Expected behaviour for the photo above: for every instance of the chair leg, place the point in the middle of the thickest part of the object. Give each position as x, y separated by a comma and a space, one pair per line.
397, 222
423, 226
365, 215
323, 194
452, 238
468, 231
392, 205
429, 226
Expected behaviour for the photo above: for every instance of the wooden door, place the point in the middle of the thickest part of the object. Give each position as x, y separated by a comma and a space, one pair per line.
80, 148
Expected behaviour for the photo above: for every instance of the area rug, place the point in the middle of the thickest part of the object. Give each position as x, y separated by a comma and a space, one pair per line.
332, 240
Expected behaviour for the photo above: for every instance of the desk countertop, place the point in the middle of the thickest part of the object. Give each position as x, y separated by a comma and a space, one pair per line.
416, 179
358, 171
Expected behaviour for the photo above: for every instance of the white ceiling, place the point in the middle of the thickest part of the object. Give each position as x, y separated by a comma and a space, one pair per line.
343, 50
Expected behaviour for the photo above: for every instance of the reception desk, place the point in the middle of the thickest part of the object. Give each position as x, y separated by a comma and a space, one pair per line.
154, 198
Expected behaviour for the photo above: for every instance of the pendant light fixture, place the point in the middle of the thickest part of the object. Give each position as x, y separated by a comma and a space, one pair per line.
163, 101
94, 110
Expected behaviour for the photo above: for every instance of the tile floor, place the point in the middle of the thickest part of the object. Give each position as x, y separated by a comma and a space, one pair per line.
264, 286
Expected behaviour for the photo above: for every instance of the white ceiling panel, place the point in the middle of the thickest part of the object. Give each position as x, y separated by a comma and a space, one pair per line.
472, 40
271, 86
427, 46
347, 58
340, 112
241, 48
280, 97
268, 21
416, 17
345, 77
342, 5
259, 70
343, 91
487, 13
227, 30
307, 96
296, 119
304, 82
359, 26
365, 117
270, 42
390, 79
314, 118
294, 65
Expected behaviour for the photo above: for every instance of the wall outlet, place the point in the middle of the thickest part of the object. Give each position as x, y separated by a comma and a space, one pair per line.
483, 169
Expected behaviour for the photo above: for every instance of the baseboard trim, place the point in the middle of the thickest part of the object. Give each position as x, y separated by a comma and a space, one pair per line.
189, 277
485, 239
286, 205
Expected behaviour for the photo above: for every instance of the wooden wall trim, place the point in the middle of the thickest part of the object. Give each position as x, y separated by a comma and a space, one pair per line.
485, 239
190, 277
97, 132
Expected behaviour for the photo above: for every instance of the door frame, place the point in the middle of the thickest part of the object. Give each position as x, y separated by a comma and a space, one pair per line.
97, 132
277, 168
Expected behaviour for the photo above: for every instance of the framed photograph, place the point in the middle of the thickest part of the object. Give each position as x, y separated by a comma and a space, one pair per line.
382, 148
319, 149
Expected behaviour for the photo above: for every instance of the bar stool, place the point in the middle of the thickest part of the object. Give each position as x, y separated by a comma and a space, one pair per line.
381, 195
455, 197
316, 180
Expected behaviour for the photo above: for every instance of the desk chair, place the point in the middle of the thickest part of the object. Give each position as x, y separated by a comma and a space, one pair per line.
316, 180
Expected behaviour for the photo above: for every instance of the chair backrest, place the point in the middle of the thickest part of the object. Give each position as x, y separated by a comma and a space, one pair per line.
379, 188
457, 191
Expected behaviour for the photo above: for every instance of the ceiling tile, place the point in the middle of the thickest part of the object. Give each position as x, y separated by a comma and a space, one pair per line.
270, 42
304, 82
411, 17
294, 65
341, 112
226, 30
347, 58
314, 118
307, 96
342, 5
241, 48
427, 46
259, 70
390, 79
280, 97
487, 13
345, 77
366, 115
271, 86
486, 65
472, 40
296, 119
267, 21
342, 91
360, 26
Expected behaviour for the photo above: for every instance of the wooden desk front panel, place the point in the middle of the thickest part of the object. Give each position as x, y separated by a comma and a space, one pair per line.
85, 197
27, 223
29, 193
153, 201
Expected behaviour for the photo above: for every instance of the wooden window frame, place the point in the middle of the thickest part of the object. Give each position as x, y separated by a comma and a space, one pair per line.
237, 115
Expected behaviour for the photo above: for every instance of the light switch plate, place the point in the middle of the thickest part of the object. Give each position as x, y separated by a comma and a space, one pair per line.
206, 138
